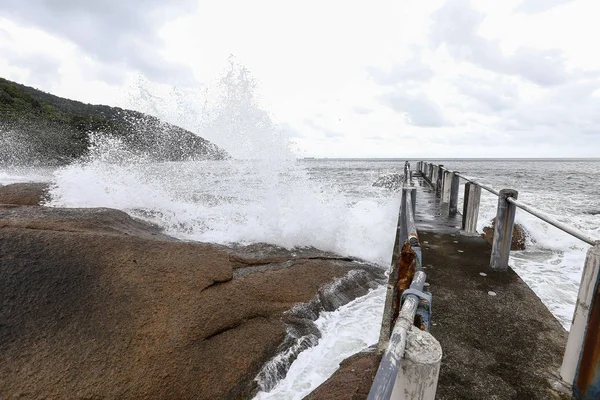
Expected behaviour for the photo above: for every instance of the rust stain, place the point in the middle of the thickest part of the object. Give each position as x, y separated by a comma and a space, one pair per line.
406, 271
588, 373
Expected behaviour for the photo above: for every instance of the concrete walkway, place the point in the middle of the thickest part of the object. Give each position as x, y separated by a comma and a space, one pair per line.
499, 341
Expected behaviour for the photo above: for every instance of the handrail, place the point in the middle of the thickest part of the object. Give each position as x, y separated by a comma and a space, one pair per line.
411, 228
552, 221
384, 381
535, 212
481, 185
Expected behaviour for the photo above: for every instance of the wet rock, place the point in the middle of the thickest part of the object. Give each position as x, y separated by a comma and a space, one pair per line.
25, 194
519, 236
352, 380
96, 304
390, 181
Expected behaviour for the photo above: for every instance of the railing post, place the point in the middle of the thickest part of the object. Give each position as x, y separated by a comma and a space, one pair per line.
471, 207
438, 178
454, 186
402, 228
581, 362
419, 368
446, 186
503, 229
413, 200
431, 173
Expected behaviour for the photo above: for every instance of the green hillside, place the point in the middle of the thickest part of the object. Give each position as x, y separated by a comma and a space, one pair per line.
38, 127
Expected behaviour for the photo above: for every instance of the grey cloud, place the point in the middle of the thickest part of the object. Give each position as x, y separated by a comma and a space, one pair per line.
43, 68
570, 108
539, 6
411, 71
418, 108
455, 25
114, 32
489, 95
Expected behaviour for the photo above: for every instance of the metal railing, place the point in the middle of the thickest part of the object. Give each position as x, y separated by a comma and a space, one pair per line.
400, 377
581, 362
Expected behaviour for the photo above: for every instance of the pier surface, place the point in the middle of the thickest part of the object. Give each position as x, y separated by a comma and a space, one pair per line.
498, 339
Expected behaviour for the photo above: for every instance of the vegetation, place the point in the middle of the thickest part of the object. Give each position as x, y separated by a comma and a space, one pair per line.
38, 127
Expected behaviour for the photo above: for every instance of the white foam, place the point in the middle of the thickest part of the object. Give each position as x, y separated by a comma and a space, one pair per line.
235, 202
346, 331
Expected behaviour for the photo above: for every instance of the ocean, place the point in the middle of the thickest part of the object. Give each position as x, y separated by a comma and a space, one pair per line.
332, 205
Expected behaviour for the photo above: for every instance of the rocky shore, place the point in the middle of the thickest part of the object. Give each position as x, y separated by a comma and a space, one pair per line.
96, 304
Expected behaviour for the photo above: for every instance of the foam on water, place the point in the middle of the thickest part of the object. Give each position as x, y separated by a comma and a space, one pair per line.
235, 202
350, 327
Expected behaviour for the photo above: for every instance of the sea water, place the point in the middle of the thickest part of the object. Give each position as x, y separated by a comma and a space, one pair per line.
333, 206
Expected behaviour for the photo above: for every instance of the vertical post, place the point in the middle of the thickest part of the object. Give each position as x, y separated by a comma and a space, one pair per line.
471, 207
419, 369
430, 173
454, 186
413, 199
438, 180
503, 229
402, 228
446, 181
581, 362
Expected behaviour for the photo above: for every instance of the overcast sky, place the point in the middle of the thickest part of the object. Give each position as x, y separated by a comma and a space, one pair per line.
342, 78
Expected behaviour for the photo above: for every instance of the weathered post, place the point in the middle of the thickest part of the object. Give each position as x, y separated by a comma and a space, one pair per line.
471, 207
454, 186
419, 368
431, 173
503, 229
438, 181
446, 181
581, 362
413, 200
402, 228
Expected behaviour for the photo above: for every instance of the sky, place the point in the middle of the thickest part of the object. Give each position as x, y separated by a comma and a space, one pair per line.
339, 78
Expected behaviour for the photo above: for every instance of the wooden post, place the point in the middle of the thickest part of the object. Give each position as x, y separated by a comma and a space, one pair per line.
503, 229
581, 362
471, 207
454, 186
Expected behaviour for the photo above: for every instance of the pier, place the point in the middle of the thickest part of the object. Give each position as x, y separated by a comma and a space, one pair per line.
468, 327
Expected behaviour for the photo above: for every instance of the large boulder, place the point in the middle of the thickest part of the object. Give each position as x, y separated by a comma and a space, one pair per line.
26, 194
519, 236
96, 304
